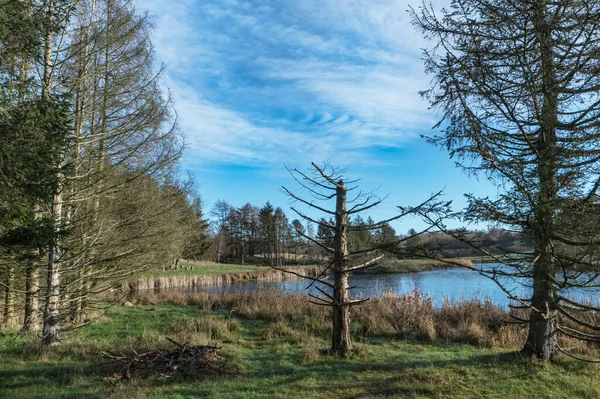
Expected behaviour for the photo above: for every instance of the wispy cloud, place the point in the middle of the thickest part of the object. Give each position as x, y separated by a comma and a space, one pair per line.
268, 81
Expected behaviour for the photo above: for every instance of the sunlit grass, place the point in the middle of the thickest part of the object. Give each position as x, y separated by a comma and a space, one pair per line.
276, 359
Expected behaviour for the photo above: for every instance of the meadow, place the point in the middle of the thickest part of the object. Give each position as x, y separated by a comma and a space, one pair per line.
275, 346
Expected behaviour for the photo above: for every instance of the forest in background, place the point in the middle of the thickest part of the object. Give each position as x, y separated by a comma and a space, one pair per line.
252, 234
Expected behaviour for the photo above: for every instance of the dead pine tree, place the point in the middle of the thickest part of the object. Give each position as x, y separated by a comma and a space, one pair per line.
327, 185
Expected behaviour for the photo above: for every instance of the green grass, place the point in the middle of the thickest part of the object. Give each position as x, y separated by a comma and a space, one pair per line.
213, 269
273, 360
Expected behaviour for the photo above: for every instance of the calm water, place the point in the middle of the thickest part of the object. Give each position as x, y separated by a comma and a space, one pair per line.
438, 284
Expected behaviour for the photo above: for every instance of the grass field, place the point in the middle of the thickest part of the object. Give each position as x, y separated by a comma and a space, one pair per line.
269, 358
211, 269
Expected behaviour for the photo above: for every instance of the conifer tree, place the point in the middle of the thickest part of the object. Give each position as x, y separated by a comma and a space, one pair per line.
518, 87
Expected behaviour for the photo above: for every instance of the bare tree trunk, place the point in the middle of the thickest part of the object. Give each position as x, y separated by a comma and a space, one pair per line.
9, 295
80, 300
242, 243
542, 338
47, 79
341, 341
220, 246
31, 319
50, 333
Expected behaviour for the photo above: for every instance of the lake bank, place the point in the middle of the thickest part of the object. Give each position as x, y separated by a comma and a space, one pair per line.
191, 275
397, 266
214, 275
439, 283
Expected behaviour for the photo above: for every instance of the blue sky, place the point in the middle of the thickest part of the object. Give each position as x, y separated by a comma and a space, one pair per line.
262, 83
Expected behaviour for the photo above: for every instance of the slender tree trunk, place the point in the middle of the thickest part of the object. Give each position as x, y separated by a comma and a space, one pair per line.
284, 259
80, 300
9, 296
31, 320
220, 246
47, 79
242, 244
50, 333
341, 341
104, 120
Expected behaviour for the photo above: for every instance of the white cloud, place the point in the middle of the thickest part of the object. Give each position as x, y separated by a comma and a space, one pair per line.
261, 83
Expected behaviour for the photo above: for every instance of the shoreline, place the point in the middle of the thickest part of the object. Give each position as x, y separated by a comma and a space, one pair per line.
190, 281
207, 274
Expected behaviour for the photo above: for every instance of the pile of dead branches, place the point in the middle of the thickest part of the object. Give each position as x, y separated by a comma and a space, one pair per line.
191, 360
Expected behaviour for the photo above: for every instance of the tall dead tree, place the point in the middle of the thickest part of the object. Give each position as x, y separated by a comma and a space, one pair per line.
328, 185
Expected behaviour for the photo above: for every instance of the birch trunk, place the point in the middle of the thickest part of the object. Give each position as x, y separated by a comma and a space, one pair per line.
31, 319
51, 329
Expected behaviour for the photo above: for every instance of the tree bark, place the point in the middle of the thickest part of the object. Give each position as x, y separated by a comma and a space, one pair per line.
341, 341
9, 296
542, 340
31, 319
50, 333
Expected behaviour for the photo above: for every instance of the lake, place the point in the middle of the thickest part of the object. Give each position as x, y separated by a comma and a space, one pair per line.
450, 283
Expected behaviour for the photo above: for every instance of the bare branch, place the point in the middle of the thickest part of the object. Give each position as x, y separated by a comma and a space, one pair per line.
322, 273
365, 265
302, 276
289, 193
355, 302
316, 242
324, 175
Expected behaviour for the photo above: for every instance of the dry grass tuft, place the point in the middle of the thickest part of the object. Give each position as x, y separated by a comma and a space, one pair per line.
295, 320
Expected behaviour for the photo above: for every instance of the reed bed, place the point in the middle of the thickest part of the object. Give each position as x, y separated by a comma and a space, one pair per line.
415, 316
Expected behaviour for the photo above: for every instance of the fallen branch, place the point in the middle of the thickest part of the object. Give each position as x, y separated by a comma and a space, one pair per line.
183, 358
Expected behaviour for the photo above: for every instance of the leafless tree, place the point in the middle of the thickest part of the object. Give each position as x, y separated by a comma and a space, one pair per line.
325, 185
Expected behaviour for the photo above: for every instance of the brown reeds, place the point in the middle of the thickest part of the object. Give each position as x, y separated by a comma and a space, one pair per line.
170, 282
414, 316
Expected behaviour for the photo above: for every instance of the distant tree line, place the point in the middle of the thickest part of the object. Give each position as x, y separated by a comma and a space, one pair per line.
265, 235
494, 241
